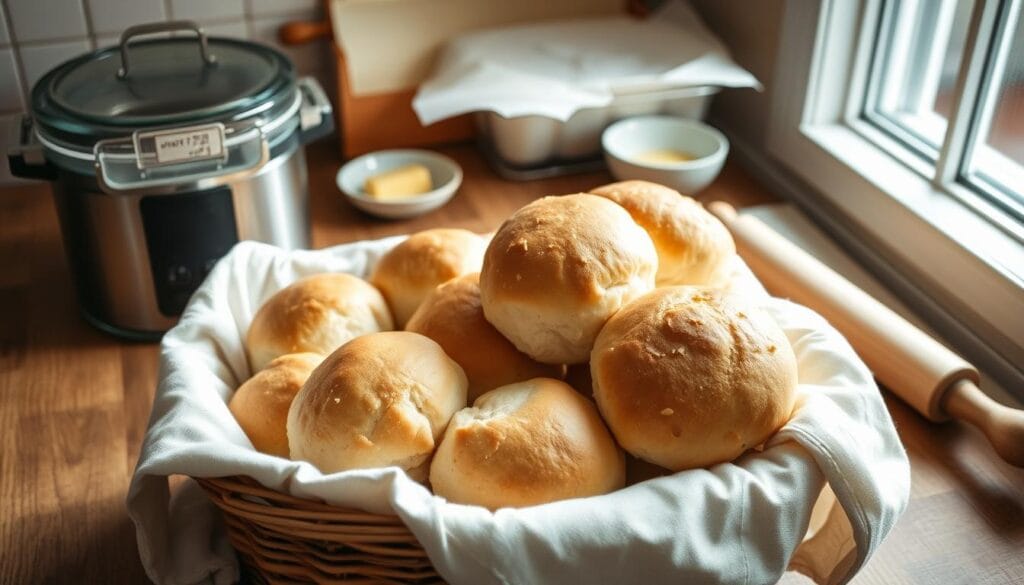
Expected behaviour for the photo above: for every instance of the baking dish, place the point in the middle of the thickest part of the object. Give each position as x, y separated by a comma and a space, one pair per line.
523, 143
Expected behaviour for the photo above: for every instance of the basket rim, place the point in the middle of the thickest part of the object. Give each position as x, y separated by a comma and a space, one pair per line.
246, 485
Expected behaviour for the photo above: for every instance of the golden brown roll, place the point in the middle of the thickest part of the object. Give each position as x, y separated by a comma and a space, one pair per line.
453, 317
558, 268
693, 245
260, 405
381, 399
524, 444
315, 314
412, 269
689, 377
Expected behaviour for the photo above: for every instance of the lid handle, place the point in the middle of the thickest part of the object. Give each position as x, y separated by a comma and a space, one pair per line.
160, 27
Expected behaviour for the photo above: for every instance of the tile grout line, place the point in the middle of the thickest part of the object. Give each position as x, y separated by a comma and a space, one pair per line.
247, 12
52, 41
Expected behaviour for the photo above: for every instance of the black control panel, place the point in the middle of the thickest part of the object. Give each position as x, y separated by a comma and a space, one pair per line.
186, 234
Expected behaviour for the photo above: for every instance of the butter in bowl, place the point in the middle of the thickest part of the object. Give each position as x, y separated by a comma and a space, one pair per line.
686, 155
399, 184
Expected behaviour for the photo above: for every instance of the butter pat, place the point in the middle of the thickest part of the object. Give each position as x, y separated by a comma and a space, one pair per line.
401, 183
663, 156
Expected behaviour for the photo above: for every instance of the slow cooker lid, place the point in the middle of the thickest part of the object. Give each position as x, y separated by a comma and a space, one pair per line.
167, 82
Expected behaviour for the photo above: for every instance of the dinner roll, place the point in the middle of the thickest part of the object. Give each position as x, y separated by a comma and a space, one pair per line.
315, 314
694, 247
260, 405
412, 269
690, 377
453, 317
558, 268
379, 400
524, 444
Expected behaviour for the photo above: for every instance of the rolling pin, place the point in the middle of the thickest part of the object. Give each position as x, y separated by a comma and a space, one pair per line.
924, 373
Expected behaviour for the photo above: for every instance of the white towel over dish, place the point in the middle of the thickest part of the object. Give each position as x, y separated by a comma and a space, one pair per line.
743, 522
554, 69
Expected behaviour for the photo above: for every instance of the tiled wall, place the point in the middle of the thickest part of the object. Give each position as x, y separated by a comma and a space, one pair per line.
36, 35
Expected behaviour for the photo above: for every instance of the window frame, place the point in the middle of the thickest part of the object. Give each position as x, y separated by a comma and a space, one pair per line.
924, 82
962, 251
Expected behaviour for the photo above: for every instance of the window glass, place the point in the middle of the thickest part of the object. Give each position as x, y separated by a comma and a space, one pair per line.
943, 104
915, 70
996, 164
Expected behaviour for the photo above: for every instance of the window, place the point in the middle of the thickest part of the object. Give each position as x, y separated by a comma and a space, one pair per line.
914, 70
995, 159
905, 118
971, 133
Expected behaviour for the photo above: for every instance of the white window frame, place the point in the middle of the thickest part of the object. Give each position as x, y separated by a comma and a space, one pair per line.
953, 244
910, 46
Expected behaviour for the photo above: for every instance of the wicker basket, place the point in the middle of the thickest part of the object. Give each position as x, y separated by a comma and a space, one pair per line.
284, 539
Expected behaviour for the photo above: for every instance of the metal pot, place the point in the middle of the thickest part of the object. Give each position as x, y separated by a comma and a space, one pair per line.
163, 154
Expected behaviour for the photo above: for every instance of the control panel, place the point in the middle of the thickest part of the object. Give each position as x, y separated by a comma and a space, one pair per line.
186, 234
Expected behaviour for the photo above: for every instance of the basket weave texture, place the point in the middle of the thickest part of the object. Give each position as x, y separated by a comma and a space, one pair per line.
284, 539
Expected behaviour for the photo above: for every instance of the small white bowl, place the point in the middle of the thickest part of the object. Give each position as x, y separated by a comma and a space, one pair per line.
445, 176
627, 139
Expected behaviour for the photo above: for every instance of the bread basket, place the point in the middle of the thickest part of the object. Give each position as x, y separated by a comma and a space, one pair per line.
283, 539
741, 522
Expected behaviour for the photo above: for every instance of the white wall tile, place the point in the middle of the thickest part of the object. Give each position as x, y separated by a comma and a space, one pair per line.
41, 20
4, 38
10, 85
310, 59
238, 30
206, 10
108, 40
113, 16
40, 59
302, 8
265, 29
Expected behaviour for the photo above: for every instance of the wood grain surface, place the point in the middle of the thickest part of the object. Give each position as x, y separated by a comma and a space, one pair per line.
74, 404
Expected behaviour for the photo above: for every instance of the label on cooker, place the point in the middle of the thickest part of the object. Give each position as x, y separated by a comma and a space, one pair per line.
185, 144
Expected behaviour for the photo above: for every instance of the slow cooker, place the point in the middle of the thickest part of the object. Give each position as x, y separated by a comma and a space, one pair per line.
163, 153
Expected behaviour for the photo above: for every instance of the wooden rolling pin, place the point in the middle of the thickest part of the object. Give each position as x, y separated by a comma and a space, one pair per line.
935, 381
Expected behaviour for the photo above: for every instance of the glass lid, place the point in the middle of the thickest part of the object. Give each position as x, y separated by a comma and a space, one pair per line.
161, 82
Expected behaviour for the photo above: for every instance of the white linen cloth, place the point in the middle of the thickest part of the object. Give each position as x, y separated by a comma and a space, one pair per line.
740, 522
554, 69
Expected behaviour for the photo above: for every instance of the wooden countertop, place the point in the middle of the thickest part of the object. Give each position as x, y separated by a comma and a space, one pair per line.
74, 404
